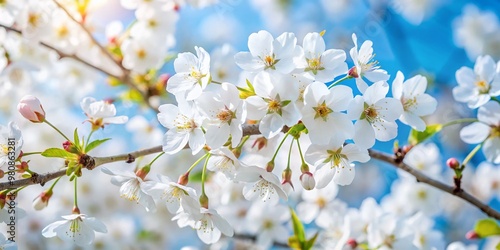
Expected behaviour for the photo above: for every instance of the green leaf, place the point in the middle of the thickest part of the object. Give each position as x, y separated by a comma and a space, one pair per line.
75, 138
497, 246
71, 168
310, 243
58, 153
417, 137
26, 175
94, 144
486, 227
298, 230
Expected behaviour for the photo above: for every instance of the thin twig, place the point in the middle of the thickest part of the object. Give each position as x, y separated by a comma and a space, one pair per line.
124, 78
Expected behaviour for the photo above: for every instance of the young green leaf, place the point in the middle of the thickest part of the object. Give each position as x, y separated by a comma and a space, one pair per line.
486, 227
95, 144
299, 237
58, 153
417, 137
76, 139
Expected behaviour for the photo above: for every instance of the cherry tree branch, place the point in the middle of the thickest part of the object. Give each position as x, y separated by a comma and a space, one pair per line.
435, 183
253, 130
125, 78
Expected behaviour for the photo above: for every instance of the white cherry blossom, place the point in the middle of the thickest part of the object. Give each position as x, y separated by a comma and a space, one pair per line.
225, 113
76, 228
486, 131
268, 226
269, 54
274, 104
224, 161
132, 187
334, 161
101, 113
476, 87
365, 65
169, 192
375, 115
318, 63
322, 114
416, 103
11, 143
261, 185
184, 126
192, 74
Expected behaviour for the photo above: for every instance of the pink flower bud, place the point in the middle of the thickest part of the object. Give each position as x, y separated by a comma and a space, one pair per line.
42, 201
307, 181
353, 72
352, 243
453, 163
31, 109
471, 235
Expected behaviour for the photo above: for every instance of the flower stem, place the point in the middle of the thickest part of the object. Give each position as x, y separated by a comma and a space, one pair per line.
471, 154
495, 99
196, 162
54, 184
300, 152
203, 196
76, 193
156, 158
61, 133
281, 144
458, 121
289, 155
339, 81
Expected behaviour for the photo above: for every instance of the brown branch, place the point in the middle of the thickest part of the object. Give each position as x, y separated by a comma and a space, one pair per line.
435, 183
125, 78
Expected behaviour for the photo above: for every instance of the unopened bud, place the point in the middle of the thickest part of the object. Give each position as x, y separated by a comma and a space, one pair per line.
31, 109
270, 166
472, 235
142, 172
353, 72
22, 167
183, 179
307, 181
260, 142
2, 174
352, 243
42, 201
70, 147
3, 199
453, 163
75, 210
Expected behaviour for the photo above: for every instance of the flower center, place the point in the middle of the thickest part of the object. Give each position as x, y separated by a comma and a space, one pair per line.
314, 65
275, 105
268, 224
4, 149
337, 158
131, 190
321, 202
152, 23
270, 61
482, 86
408, 103
196, 74
141, 53
495, 131
62, 31
183, 123
322, 111
370, 113
225, 115
74, 227
33, 19
422, 195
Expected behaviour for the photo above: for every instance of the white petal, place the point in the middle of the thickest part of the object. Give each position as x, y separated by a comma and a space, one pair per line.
397, 85
490, 113
491, 149
344, 175
376, 92
174, 142
364, 136
96, 225
196, 140
324, 176
475, 133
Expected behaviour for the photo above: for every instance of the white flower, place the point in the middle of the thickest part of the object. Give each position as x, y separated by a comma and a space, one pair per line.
155, 20
11, 143
184, 125
415, 102
334, 161
460, 246
132, 187
169, 192
209, 225
266, 222
425, 237
223, 65
274, 104
414, 11
269, 54
261, 185
319, 64
360, 218
425, 157
364, 65
34, 20
477, 87
316, 202
77, 228
101, 113
486, 181
322, 115
390, 232
192, 74
141, 54
225, 112
225, 161
486, 131
375, 114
